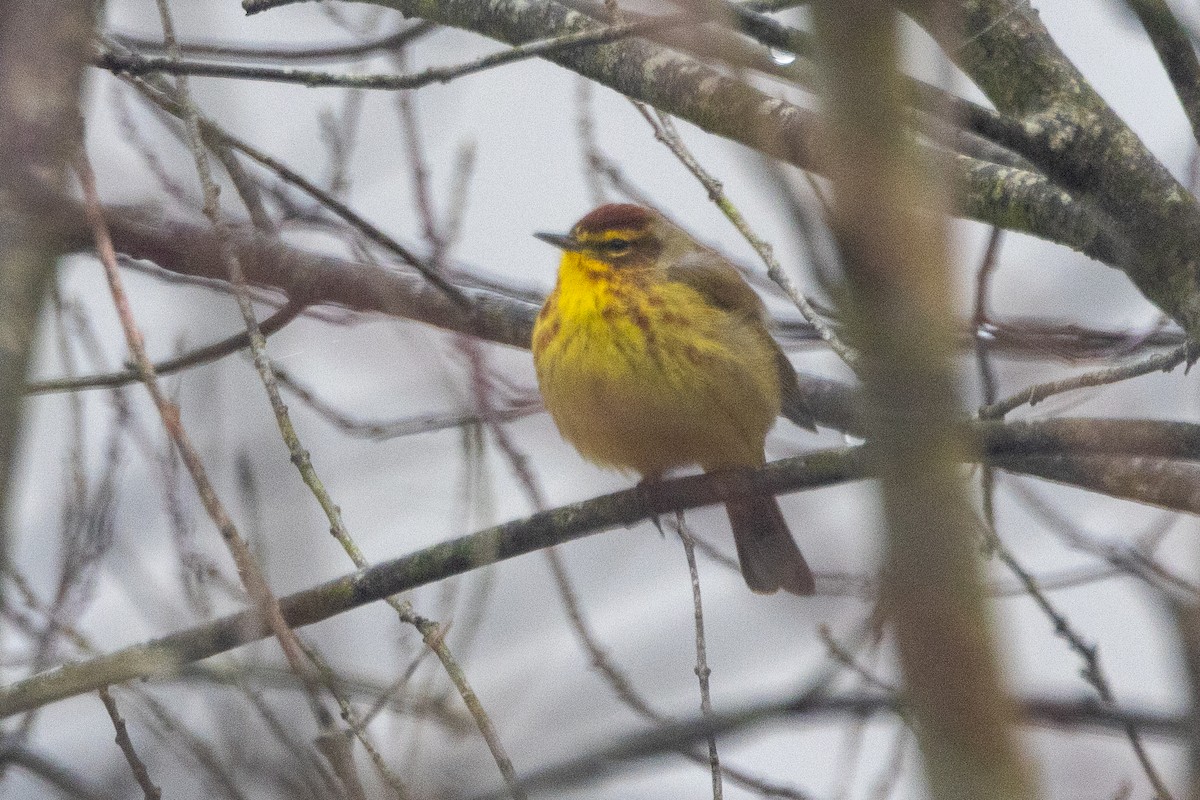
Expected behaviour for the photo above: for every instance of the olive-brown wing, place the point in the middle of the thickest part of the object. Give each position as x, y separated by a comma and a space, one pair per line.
722, 285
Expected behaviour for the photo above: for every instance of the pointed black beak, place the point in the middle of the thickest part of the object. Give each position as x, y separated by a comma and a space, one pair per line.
559, 240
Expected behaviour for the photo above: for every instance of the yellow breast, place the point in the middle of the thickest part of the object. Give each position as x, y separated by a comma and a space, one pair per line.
646, 375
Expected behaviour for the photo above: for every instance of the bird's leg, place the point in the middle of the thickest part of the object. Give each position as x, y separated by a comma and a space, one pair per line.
647, 487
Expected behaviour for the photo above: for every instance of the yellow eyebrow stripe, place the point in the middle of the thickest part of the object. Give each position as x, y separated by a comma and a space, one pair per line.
609, 235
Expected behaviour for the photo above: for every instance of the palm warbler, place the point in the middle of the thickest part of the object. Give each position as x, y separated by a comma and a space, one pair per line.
652, 352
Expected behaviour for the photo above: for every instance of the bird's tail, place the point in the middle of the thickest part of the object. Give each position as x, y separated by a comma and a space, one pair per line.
769, 556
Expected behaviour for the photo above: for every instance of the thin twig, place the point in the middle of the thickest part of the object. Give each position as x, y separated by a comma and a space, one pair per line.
628, 694
640, 747
391, 694
134, 64
1176, 52
585, 131
203, 355
844, 657
625, 691
256, 585
1092, 671
237, 278
51, 771
432, 633
983, 358
305, 765
435, 638
664, 131
1135, 561
389, 42
334, 745
136, 765
133, 136
339, 132
176, 733
980, 319
702, 670
172, 731
517, 408
596, 163
171, 103
1163, 362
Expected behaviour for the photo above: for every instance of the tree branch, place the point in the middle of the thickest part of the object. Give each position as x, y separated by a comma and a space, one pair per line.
623, 509
1053, 117
1175, 51
42, 53
1045, 712
164, 656
685, 87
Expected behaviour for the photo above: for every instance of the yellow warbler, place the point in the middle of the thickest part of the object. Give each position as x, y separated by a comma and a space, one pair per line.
652, 352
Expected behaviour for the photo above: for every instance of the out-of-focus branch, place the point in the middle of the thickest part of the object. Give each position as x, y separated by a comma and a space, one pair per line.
308, 278
51, 772
1175, 51
1158, 439
42, 53
895, 254
1187, 624
1072, 715
1153, 481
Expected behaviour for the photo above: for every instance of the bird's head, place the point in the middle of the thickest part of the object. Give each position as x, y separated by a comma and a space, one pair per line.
622, 235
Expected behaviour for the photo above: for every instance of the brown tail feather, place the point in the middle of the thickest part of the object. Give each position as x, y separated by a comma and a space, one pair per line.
769, 557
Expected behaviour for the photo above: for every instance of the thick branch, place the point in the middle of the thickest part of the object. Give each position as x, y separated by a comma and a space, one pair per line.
164, 656
307, 278
312, 279
1054, 118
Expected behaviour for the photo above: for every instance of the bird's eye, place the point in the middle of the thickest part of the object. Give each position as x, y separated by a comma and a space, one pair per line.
616, 247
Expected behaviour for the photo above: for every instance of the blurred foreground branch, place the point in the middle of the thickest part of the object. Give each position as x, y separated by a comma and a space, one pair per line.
42, 54
896, 258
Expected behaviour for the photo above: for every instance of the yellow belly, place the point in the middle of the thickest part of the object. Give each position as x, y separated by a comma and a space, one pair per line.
656, 378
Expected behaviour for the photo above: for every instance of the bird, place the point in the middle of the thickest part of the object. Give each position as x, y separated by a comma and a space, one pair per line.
653, 353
